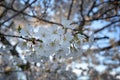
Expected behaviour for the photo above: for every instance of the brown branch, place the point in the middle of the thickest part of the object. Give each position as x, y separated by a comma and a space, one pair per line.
12, 3
27, 39
105, 48
94, 19
13, 50
82, 21
81, 9
99, 38
108, 47
46, 5
33, 16
91, 8
106, 11
19, 12
70, 10
50, 22
3, 13
47, 21
101, 3
106, 26
6, 42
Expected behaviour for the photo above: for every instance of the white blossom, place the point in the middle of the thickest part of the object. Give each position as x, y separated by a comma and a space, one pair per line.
67, 24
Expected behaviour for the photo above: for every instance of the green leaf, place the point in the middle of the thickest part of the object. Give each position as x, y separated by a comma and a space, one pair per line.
24, 66
55, 32
40, 40
24, 43
32, 39
52, 43
19, 28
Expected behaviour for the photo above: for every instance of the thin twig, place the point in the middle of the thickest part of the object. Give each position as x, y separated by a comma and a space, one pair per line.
6, 42
106, 26
91, 7
33, 16
70, 10
21, 37
81, 9
18, 12
94, 19
108, 47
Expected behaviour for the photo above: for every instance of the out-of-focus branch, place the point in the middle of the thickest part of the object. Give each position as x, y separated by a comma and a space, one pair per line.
104, 2
7, 43
106, 11
117, 43
33, 16
70, 10
13, 50
19, 12
46, 4
108, 47
50, 22
12, 3
3, 13
91, 8
81, 9
27, 39
106, 26
47, 21
102, 18
99, 38
82, 21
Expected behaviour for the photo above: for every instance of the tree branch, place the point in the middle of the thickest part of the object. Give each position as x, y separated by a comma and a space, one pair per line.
70, 10
18, 12
27, 39
91, 8
108, 47
6, 42
106, 26
81, 9
33, 16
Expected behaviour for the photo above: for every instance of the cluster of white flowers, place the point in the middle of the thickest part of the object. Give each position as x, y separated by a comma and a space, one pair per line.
54, 39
